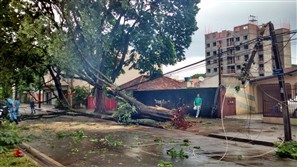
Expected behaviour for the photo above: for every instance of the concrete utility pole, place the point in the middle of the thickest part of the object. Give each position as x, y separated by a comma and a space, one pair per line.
219, 74
217, 101
280, 74
247, 66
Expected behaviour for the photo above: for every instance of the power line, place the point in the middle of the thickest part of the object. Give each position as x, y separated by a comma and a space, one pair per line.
214, 56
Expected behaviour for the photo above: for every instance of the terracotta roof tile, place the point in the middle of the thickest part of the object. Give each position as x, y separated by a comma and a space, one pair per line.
142, 83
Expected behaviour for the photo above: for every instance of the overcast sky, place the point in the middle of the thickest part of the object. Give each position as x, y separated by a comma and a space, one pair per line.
218, 15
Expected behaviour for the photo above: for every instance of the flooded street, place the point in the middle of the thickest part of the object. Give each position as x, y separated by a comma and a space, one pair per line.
81, 141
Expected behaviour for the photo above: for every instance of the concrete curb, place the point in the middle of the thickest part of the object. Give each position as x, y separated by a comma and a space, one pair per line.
41, 158
258, 142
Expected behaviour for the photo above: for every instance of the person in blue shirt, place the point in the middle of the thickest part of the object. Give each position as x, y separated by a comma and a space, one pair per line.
17, 105
11, 107
32, 106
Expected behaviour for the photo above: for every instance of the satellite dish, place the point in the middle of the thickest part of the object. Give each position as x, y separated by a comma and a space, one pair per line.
201, 78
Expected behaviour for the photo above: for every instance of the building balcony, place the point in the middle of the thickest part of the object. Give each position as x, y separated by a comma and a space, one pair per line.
230, 71
231, 62
261, 60
261, 70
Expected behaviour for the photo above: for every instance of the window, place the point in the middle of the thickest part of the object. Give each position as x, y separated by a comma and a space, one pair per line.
214, 52
208, 62
237, 48
215, 70
245, 37
261, 67
246, 57
229, 51
220, 43
238, 67
246, 46
237, 39
261, 57
208, 71
207, 53
214, 44
215, 61
261, 74
208, 45
237, 57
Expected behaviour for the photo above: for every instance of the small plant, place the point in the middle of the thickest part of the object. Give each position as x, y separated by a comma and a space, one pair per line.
273, 128
287, 150
174, 154
165, 164
110, 141
78, 135
179, 119
237, 88
186, 142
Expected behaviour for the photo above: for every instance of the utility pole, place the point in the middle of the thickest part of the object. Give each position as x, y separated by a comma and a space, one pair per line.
247, 66
220, 79
280, 74
219, 56
217, 101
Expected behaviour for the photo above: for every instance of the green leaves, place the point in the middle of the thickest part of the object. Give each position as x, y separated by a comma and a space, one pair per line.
9, 136
287, 150
80, 95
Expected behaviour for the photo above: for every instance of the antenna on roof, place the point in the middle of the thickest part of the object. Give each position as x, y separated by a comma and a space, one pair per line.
253, 19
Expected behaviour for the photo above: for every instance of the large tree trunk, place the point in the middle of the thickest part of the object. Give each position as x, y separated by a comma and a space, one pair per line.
144, 111
100, 100
57, 81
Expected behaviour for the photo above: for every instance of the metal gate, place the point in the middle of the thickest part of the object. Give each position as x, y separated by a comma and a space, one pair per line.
271, 99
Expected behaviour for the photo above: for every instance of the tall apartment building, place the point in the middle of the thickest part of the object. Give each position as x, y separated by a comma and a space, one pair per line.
235, 53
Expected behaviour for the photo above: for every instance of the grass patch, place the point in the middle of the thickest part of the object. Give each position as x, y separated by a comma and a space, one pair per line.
206, 123
7, 159
165, 164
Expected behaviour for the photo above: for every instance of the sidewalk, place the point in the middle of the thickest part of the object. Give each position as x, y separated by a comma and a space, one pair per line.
26, 110
255, 131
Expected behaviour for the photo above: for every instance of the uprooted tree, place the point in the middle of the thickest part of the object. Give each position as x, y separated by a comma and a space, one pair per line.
93, 40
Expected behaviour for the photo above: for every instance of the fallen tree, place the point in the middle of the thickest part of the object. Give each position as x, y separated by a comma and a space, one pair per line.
94, 40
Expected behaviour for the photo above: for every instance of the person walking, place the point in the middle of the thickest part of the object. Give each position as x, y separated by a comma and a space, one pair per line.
11, 107
197, 105
32, 106
17, 105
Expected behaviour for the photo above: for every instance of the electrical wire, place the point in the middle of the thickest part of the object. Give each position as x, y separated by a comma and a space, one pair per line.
222, 106
208, 58
223, 126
